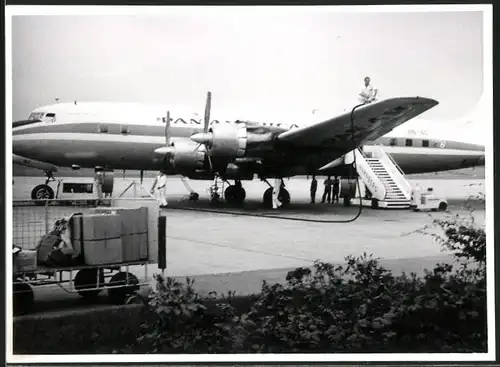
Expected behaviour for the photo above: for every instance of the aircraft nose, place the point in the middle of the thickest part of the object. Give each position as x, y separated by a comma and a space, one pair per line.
20, 123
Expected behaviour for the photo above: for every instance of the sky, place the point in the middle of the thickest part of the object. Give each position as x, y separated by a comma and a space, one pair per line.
274, 63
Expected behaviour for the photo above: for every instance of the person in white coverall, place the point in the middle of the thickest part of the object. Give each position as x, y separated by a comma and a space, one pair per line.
161, 188
99, 179
368, 93
276, 191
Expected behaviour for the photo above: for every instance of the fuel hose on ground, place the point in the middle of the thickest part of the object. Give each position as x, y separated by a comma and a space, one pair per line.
282, 217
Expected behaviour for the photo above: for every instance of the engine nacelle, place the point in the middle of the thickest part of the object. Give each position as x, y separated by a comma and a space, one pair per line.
228, 140
185, 155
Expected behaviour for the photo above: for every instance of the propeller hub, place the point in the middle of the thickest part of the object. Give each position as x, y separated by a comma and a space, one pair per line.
165, 150
202, 138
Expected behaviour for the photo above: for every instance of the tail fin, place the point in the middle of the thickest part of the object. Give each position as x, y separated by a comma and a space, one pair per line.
476, 115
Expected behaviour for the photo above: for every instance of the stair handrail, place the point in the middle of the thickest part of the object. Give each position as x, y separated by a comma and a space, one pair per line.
395, 172
367, 174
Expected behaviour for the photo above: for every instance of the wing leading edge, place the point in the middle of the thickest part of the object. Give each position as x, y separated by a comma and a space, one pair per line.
371, 121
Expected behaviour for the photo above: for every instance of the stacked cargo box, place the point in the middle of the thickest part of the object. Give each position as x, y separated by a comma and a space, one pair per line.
134, 231
98, 238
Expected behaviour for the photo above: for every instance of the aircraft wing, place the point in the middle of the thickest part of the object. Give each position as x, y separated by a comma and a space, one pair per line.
28, 162
370, 122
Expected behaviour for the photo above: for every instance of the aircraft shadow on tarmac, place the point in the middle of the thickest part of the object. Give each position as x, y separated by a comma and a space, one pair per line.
306, 210
254, 207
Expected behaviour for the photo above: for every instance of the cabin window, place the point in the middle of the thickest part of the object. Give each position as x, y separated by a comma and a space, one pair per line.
425, 143
393, 142
103, 128
409, 142
124, 129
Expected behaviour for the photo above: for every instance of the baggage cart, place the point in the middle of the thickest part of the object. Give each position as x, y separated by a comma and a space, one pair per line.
30, 223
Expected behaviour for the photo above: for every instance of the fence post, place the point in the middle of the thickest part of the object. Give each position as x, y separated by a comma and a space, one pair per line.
162, 243
46, 216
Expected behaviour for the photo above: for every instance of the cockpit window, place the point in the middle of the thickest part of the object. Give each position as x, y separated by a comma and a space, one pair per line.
36, 116
50, 117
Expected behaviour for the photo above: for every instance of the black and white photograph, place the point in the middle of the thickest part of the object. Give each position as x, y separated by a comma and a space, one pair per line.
249, 183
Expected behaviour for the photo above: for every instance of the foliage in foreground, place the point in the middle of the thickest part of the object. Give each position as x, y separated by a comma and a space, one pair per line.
355, 308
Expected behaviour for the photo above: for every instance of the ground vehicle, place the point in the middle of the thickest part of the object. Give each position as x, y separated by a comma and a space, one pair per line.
77, 188
427, 201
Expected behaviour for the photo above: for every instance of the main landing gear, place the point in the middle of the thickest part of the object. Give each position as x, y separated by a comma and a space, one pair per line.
283, 198
235, 194
43, 192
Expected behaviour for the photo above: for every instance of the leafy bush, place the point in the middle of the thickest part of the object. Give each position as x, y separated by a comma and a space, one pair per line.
359, 307
78, 332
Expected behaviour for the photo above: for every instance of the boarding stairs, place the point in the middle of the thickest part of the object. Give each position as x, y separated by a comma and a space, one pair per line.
384, 179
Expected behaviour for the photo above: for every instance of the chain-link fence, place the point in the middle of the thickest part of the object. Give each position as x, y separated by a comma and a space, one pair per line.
32, 219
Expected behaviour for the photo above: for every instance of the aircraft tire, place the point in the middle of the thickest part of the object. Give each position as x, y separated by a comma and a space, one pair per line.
268, 198
284, 197
108, 181
443, 206
230, 194
234, 195
41, 193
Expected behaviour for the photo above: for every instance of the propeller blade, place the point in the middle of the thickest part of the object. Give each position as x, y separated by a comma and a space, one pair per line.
208, 107
167, 129
210, 163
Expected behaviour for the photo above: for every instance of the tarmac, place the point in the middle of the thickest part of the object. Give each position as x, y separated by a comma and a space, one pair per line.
236, 249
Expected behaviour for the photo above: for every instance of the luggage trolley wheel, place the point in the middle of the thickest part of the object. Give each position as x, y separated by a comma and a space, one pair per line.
86, 282
23, 298
119, 295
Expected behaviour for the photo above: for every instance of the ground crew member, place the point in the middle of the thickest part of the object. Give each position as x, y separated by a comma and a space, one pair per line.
314, 187
278, 184
99, 179
161, 185
335, 190
416, 195
368, 93
327, 194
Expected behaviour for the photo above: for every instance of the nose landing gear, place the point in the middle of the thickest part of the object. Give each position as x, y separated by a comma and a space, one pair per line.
43, 192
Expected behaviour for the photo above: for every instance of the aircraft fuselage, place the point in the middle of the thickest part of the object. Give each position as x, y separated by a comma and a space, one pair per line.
125, 138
